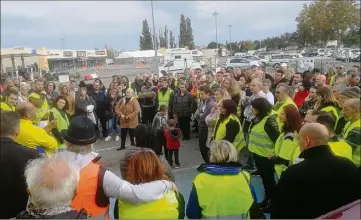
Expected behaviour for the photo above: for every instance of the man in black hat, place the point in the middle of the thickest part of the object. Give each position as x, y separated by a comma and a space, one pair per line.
96, 184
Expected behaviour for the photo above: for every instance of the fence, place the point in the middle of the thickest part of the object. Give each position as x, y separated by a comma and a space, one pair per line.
301, 65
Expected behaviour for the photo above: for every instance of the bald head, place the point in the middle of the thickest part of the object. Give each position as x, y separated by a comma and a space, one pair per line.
353, 103
26, 110
351, 109
312, 135
321, 80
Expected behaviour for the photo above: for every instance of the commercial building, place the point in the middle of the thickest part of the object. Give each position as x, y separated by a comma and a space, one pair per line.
17, 58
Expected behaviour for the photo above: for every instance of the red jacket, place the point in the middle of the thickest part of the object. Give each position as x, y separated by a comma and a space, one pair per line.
172, 138
300, 97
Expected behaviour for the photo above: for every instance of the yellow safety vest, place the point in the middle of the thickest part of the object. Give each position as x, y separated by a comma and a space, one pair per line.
332, 110
164, 208
42, 111
224, 196
61, 123
296, 154
4, 106
332, 80
341, 148
220, 133
356, 152
259, 141
285, 148
280, 109
164, 99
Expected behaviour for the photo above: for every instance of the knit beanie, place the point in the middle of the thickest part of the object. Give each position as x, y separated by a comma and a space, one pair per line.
351, 92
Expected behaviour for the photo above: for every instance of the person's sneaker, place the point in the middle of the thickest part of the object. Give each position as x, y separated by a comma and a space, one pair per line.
117, 138
177, 166
108, 138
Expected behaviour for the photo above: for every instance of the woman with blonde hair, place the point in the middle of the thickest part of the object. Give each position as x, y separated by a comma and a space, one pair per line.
219, 95
326, 101
222, 189
143, 166
234, 90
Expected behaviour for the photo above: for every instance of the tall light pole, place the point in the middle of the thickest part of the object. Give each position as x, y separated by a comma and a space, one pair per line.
62, 42
155, 41
230, 38
215, 15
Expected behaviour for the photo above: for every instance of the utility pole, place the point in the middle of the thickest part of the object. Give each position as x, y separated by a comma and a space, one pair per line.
62, 43
230, 38
155, 42
215, 15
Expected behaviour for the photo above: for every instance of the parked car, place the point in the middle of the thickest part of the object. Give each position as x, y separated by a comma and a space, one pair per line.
310, 53
279, 59
241, 63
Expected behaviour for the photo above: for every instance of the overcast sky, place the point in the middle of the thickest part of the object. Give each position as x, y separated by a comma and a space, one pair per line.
89, 24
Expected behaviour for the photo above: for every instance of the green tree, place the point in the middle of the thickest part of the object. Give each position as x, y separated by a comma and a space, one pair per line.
190, 37
146, 41
162, 39
212, 45
166, 37
183, 32
171, 40
321, 21
246, 46
352, 38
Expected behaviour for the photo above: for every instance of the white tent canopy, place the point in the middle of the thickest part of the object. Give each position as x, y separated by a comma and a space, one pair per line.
138, 54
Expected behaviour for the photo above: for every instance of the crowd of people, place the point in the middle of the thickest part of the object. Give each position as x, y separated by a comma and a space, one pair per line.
300, 132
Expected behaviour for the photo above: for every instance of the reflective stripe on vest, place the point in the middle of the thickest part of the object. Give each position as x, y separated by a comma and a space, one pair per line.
296, 159
87, 190
222, 196
259, 141
164, 99
341, 148
42, 111
331, 109
280, 109
240, 216
164, 208
220, 133
62, 123
4, 106
285, 148
332, 80
356, 152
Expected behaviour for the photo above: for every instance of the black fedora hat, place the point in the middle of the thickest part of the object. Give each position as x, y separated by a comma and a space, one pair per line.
81, 131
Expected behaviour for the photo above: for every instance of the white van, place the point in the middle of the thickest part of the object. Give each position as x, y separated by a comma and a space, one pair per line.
179, 64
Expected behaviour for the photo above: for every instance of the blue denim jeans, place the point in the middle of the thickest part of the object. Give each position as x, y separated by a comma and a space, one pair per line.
113, 126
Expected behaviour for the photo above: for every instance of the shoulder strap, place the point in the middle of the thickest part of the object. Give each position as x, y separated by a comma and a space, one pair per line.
100, 198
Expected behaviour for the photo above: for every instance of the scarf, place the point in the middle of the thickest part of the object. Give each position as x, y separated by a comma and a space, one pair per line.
37, 212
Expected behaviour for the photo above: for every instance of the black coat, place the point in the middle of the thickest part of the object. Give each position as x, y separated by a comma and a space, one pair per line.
13, 189
321, 183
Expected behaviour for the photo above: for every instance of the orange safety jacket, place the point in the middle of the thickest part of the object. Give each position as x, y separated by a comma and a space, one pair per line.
90, 193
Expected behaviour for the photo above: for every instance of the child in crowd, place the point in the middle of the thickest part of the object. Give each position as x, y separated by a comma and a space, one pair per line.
158, 126
172, 135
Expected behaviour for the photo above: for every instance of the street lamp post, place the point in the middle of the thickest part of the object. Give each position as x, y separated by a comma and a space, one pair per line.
62, 43
215, 15
230, 38
155, 41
